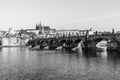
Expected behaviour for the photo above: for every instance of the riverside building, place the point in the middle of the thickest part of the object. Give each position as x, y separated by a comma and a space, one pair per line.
75, 32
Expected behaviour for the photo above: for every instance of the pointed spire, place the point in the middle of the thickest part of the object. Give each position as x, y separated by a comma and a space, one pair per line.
40, 24
113, 31
37, 26
43, 25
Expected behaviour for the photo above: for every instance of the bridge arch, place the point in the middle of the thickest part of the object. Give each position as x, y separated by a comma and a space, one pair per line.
94, 41
77, 40
99, 39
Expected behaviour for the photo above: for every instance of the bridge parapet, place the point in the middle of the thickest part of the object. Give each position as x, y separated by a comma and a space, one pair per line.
93, 37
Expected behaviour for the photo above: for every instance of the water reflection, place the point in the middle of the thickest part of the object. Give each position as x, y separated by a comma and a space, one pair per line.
58, 65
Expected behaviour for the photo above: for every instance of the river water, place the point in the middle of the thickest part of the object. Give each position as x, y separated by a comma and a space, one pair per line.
26, 64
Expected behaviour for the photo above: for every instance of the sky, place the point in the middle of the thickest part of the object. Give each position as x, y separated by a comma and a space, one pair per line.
101, 15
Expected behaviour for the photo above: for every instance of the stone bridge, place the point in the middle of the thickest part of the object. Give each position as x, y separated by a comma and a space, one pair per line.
92, 40
91, 37
89, 41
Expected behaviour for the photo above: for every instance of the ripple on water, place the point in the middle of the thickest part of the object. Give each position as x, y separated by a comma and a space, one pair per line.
22, 63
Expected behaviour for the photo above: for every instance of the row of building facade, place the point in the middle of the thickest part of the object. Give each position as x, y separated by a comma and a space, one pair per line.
45, 32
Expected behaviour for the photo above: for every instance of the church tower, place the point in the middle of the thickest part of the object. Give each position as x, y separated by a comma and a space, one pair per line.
39, 26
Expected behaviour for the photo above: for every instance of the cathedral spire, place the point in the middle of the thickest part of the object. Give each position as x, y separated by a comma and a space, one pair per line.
40, 24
